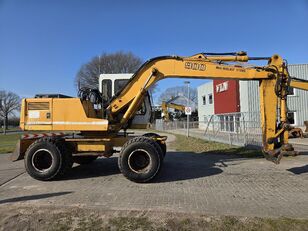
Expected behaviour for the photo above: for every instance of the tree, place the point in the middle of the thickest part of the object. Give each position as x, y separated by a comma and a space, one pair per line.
9, 102
119, 62
179, 91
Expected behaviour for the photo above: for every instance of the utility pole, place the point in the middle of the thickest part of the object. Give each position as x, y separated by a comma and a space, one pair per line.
99, 66
187, 105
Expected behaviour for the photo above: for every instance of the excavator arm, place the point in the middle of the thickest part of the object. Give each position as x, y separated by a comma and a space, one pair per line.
273, 78
299, 83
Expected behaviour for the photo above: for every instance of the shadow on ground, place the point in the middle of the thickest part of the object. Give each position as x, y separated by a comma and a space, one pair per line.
98, 168
33, 197
299, 170
177, 166
180, 166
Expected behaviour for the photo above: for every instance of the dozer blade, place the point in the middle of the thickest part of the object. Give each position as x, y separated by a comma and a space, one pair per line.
17, 155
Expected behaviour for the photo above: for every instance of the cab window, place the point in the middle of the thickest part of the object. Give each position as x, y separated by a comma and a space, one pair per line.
142, 110
119, 84
106, 89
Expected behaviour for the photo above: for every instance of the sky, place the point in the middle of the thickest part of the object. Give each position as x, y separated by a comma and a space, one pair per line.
44, 43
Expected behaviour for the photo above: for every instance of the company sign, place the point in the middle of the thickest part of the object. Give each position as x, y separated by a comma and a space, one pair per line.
222, 87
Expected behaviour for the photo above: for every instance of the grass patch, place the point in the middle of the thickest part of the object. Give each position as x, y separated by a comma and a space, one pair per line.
131, 223
228, 223
191, 144
10, 129
8, 142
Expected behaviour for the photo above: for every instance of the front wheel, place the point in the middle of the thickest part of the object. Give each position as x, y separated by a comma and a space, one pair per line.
140, 159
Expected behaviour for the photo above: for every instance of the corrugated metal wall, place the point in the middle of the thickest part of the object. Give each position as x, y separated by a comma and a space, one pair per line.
299, 102
249, 95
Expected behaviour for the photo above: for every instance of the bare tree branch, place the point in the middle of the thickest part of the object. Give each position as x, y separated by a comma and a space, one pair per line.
178, 91
114, 63
9, 102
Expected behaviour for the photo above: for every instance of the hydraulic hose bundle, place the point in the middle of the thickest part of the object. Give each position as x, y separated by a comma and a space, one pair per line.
93, 95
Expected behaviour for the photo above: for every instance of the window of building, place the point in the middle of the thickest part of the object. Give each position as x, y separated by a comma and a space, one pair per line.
227, 123
291, 117
237, 122
222, 122
204, 100
210, 98
231, 123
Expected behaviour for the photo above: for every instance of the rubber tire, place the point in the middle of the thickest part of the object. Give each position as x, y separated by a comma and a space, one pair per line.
83, 160
153, 150
163, 146
62, 160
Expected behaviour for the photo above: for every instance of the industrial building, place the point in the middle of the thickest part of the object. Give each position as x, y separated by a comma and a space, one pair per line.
231, 99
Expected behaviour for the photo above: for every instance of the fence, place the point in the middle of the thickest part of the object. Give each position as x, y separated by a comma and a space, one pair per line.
233, 128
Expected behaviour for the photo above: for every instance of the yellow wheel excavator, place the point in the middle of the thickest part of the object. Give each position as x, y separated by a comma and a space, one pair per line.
96, 124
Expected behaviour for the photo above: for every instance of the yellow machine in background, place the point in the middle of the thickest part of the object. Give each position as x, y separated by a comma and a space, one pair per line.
165, 105
95, 125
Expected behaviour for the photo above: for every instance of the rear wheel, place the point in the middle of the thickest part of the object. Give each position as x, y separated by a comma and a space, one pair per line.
47, 159
162, 145
84, 159
140, 159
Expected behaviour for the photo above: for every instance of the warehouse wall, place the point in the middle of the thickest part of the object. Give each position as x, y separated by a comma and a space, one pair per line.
299, 102
249, 95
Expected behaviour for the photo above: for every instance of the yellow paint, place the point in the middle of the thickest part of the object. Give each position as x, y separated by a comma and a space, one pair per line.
64, 114
90, 147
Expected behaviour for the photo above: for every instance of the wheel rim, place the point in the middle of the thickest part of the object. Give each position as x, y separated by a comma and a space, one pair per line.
139, 161
42, 160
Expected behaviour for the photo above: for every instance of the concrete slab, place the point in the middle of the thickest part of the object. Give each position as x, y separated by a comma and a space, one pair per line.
8, 169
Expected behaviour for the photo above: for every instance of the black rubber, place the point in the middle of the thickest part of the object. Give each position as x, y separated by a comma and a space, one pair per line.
84, 159
61, 159
151, 148
163, 146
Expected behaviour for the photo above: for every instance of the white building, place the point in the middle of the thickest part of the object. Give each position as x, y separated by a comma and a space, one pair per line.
205, 101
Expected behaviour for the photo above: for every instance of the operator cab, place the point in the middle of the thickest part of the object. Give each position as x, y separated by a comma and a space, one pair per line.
112, 84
